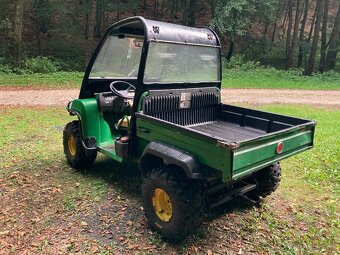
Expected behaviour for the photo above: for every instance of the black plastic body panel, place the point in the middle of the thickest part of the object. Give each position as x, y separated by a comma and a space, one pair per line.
170, 155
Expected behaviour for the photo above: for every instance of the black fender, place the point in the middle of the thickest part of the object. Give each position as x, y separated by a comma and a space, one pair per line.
158, 153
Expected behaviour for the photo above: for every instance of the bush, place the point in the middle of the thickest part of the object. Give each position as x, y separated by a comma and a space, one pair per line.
4, 67
238, 61
41, 65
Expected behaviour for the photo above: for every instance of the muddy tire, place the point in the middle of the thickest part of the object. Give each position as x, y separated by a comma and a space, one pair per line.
75, 153
173, 204
268, 179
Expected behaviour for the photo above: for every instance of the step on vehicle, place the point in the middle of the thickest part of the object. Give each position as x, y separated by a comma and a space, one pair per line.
151, 95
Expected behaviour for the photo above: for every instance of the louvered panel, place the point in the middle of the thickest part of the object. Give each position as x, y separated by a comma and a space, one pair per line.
204, 108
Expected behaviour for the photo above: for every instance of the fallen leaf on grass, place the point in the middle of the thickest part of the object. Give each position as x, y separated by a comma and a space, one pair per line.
13, 176
4, 233
133, 246
150, 247
84, 224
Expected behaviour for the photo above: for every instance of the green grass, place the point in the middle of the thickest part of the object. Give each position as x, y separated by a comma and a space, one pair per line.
232, 78
49, 80
271, 78
300, 218
311, 189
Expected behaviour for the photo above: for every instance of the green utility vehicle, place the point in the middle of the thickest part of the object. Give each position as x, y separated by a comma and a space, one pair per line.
151, 95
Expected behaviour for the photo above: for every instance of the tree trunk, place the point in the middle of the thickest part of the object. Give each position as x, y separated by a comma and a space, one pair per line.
37, 36
289, 28
231, 49
264, 37
162, 9
212, 4
42, 13
16, 49
310, 66
155, 9
144, 5
172, 11
312, 24
334, 43
302, 33
185, 12
274, 32
285, 19
324, 37
192, 13
99, 17
92, 6
118, 10
289, 60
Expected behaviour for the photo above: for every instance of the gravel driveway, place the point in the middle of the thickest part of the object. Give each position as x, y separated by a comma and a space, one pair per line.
229, 96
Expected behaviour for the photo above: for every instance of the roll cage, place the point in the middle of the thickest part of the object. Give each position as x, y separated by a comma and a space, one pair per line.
151, 31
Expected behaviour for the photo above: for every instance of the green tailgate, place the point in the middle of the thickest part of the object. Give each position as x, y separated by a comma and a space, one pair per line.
259, 153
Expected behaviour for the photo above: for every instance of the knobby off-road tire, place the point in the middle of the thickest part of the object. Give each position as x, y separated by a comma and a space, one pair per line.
268, 180
173, 204
75, 153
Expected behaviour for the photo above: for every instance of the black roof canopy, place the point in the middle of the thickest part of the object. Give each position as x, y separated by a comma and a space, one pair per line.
162, 31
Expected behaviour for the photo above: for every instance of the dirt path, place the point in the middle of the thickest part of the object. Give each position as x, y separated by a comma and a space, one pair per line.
230, 96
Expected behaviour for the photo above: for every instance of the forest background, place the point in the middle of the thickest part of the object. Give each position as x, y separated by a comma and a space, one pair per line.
39, 36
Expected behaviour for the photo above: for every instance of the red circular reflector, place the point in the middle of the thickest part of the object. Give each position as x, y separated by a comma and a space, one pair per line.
279, 148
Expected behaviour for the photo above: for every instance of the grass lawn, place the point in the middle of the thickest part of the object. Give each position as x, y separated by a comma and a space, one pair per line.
232, 78
270, 78
44, 81
49, 208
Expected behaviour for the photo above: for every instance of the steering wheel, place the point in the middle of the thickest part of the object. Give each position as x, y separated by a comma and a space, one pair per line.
124, 93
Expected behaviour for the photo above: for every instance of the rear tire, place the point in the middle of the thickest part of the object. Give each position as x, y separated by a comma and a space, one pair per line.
173, 204
75, 153
268, 179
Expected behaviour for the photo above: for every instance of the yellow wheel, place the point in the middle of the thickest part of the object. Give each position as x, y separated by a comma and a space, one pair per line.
162, 205
72, 145
173, 204
75, 153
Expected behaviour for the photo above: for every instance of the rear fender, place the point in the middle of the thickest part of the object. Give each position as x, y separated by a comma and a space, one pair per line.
157, 153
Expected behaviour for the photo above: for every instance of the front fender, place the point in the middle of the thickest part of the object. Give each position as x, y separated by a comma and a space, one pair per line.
92, 123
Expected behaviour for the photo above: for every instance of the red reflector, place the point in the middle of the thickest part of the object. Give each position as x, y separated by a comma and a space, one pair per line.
279, 148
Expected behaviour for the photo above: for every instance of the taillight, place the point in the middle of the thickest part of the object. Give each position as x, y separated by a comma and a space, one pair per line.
279, 148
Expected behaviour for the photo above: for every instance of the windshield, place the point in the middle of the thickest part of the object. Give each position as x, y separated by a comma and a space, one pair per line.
119, 57
170, 62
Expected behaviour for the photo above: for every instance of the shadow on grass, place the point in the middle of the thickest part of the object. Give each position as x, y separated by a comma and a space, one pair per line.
127, 179
124, 176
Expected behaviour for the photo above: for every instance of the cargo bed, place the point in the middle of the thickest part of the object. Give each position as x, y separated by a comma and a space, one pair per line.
237, 124
235, 140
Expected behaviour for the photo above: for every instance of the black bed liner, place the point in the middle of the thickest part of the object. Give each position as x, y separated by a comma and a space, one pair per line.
228, 131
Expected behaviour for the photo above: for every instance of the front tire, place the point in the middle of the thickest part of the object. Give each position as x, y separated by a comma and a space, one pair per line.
75, 153
173, 204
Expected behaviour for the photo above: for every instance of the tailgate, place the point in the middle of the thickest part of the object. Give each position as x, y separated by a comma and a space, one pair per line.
258, 153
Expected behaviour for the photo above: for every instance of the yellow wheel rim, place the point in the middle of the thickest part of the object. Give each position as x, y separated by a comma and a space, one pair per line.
162, 205
72, 145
